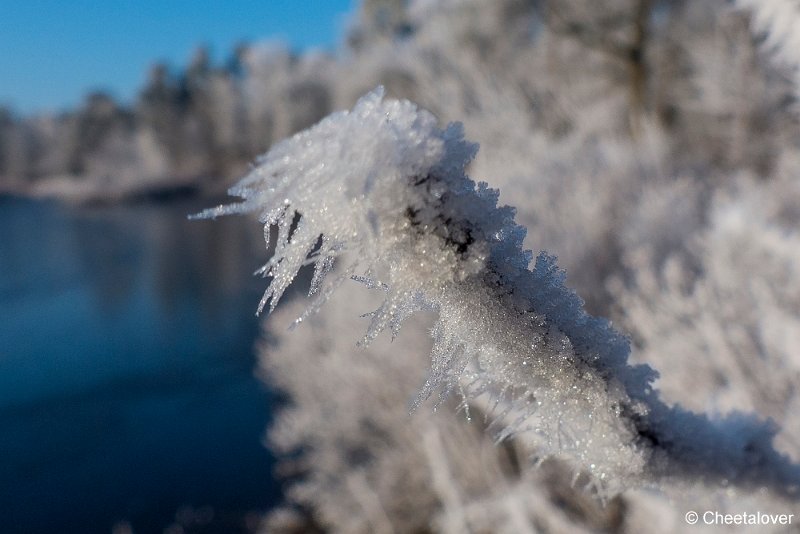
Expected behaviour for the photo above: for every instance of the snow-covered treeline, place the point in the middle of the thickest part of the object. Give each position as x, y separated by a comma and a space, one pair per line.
552, 68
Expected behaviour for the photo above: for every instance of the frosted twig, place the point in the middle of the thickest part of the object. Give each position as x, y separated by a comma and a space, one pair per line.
387, 185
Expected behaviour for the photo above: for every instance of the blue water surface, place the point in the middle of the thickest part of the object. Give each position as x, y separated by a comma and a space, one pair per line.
127, 387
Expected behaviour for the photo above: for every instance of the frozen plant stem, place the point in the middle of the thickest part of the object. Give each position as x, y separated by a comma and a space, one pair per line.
384, 190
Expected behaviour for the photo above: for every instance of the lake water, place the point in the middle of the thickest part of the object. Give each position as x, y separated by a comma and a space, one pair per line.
127, 387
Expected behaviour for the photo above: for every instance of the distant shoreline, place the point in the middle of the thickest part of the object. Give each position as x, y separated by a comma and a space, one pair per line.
86, 191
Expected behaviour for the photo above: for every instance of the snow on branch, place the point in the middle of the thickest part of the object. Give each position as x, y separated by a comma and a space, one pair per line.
384, 190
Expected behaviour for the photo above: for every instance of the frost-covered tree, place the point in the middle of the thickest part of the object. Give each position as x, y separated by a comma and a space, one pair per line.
779, 22
514, 71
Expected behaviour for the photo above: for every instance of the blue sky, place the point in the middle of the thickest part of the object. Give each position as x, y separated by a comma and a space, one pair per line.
53, 51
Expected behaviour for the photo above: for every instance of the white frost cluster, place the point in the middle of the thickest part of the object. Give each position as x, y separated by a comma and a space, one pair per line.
383, 189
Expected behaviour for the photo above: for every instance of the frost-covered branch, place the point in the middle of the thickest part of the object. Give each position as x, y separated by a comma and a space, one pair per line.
382, 189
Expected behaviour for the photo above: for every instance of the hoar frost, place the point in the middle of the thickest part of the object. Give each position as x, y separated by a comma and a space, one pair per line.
383, 189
